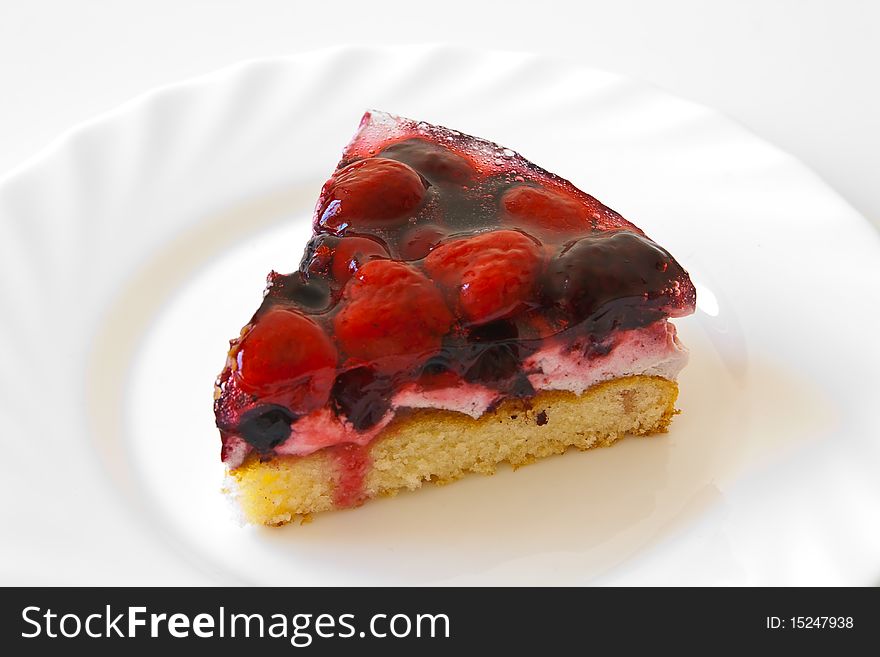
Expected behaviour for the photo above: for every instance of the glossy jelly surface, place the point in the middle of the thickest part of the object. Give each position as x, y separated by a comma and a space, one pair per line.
437, 258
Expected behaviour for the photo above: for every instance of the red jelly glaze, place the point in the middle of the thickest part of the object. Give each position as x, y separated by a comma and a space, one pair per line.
437, 257
419, 241
544, 209
351, 463
351, 253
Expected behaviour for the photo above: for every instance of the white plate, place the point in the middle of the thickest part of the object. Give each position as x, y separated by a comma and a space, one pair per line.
135, 247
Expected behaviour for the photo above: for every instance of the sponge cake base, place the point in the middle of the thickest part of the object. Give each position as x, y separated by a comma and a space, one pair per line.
440, 446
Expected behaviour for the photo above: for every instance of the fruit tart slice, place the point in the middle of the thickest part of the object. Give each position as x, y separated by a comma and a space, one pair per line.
457, 307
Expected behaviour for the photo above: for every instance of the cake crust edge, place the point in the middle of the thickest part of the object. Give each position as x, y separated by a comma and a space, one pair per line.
439, 446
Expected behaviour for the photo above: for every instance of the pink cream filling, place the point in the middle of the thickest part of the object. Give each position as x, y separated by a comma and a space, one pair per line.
653, 350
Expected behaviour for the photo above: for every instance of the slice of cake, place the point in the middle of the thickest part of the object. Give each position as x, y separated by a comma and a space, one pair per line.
457, 307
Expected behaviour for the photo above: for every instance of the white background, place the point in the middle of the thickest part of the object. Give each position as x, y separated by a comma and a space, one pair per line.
800, 73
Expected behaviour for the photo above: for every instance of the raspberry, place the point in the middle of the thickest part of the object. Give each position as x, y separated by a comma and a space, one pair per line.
288, 356
487, 276
530, 207
377, 192
391, 315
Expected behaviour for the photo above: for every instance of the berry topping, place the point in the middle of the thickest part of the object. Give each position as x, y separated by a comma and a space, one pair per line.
419, 241
309, 294
287, 355
373, 193
489, 275
319, 254
490, 354
391, 315
533, 207
617, 280
435, 375
434, 161
351, 253
440, 260
265, 427
362, 396
494, 353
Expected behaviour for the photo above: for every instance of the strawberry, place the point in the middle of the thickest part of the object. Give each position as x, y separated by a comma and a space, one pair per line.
489, 275
391, 315
538, 207
287, 355
377, 193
